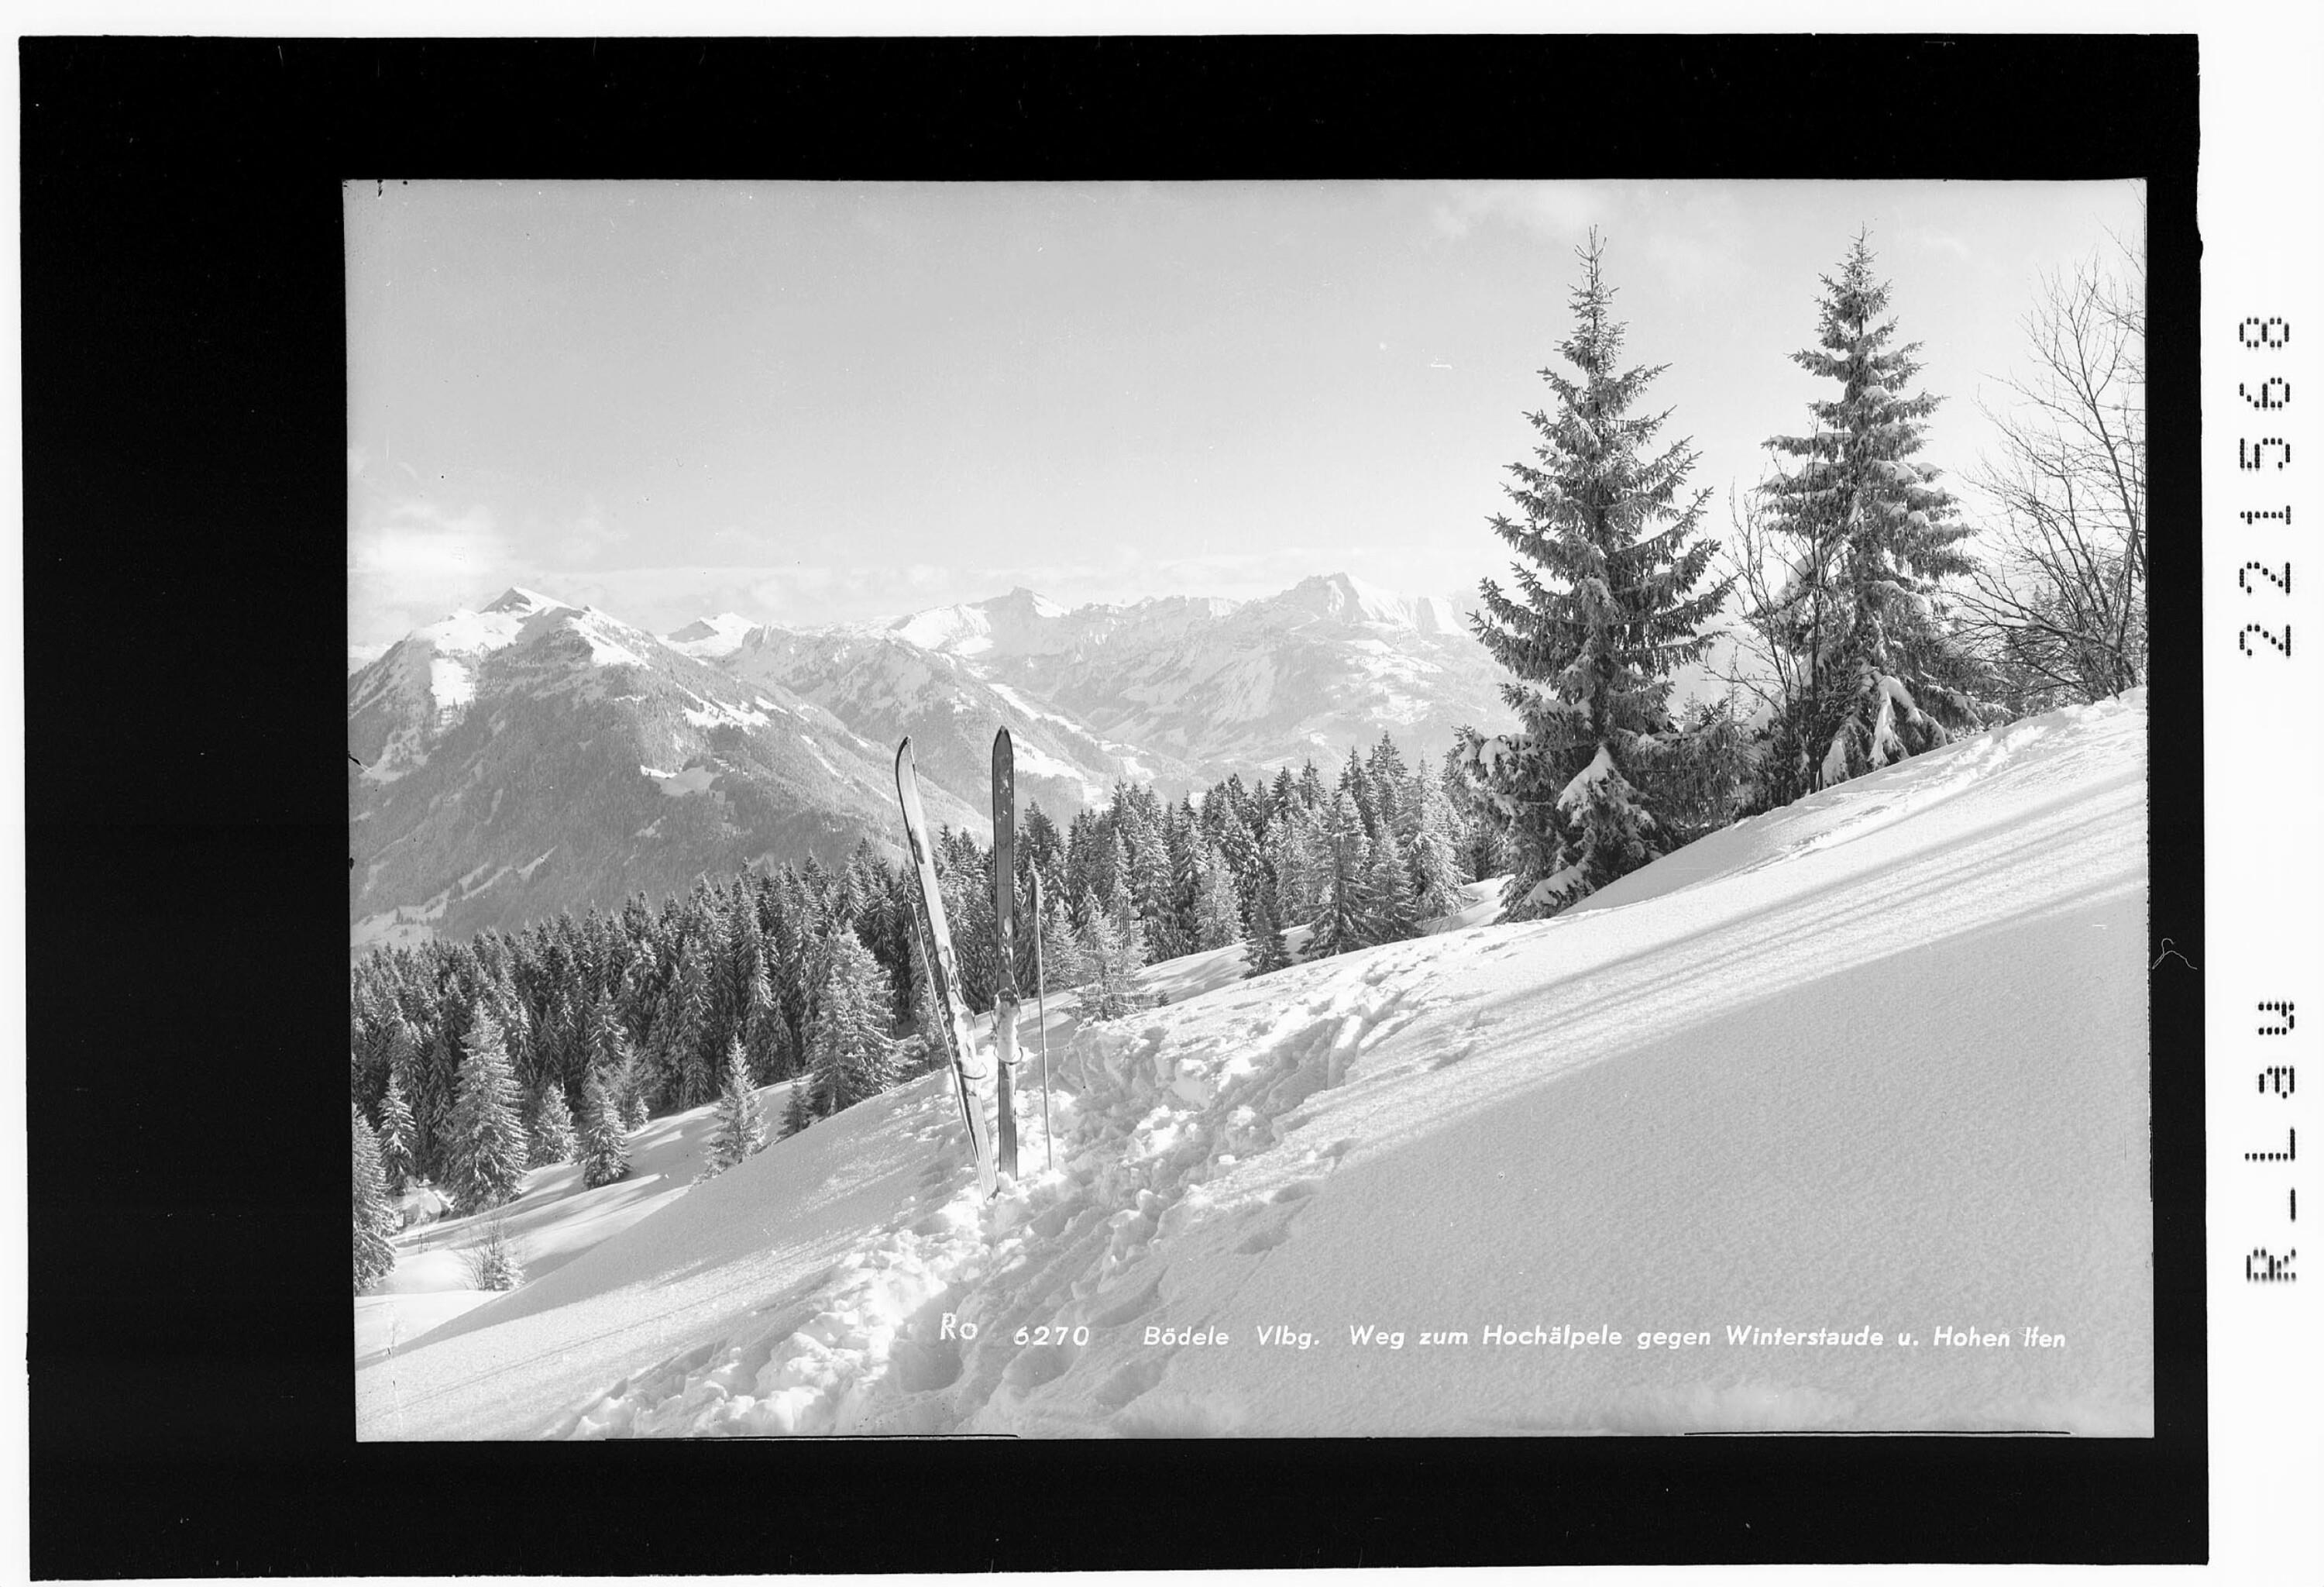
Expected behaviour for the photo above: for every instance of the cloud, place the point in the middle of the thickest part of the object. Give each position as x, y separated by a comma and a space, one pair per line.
1132, 575
798, 595
1697, 237
416, 540
586, 537
410, 562
1559, 210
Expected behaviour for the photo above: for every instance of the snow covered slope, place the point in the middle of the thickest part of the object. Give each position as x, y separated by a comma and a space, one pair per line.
709, 638
1875, 1063
422, 686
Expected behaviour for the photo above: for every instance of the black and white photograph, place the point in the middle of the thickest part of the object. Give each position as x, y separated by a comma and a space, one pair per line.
1247, 808
1148, 791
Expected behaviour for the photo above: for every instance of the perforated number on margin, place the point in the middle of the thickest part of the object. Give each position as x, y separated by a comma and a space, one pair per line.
2282, 646
2242, 577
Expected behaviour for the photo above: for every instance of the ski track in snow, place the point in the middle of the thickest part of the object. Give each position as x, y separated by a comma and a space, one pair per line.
1146, 1127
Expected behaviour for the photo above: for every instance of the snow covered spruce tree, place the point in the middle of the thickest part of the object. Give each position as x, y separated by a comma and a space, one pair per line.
1391, 912
1269, 950
397, 1136
798, 1113
848, 1046
742, 1127
1881, 675
1114, 946
1588, 788
550, 1128
1062, 963
1218, 912
1344, 924
605, 1135
1435, 859
374, 1217
486, 1148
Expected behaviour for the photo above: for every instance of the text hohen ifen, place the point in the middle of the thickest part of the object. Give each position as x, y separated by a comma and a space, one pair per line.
1574, 1336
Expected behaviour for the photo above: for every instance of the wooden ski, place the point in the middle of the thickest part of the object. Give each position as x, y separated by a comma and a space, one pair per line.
944, 969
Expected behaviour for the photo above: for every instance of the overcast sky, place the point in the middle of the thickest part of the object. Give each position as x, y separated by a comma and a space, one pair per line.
815, 401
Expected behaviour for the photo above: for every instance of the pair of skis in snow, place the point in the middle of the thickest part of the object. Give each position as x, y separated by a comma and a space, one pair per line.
992, 1157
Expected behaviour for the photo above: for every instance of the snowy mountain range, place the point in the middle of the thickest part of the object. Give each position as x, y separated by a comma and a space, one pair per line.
534, 756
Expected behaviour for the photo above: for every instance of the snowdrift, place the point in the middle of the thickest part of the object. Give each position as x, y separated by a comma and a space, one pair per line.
1835, 1120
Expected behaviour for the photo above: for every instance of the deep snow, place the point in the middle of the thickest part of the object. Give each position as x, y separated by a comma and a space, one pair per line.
1876, 1061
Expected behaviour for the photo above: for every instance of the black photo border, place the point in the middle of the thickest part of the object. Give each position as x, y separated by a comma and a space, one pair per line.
185, 491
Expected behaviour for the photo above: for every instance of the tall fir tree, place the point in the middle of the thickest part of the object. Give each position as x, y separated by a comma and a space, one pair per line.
1281, 794
1390, 912
1149, 891
746, 999
1083, 863
486, 1149
1183, 844
1298, 866
742, 1127
605, 1135
791, 938
374, 1215
613, 1059
550, 1127
1269, 950
1605, 612
1218, 910
408, 1066
1883, 675
1311, 792
1391, 783
1136, 950
1482, 851
1343, 926
1434, 858
1040, 848
968, 907
1115, 946
397, 1136
1239, 845
1062, 963
434, 1106
1356, 781
695, 1039
798, 1112
848, 1043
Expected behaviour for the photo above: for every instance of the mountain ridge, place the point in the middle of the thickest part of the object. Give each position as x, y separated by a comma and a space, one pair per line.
532, 754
